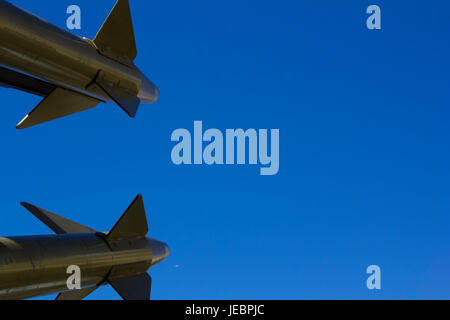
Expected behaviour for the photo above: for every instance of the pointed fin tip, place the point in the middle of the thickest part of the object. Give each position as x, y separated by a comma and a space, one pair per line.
58, 224
116, 38
132, 224
21, 125
58, 104
29, 206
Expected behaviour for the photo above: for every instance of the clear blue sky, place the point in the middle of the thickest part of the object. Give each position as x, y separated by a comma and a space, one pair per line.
365, 148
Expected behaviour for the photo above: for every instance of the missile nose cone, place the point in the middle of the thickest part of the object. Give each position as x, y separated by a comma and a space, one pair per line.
160, 251
149, 93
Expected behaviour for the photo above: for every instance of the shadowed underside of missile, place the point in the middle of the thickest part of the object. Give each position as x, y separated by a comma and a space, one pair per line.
37, 265
72, 74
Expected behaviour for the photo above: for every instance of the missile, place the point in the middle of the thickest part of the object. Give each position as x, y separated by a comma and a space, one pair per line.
72, 74
35, 266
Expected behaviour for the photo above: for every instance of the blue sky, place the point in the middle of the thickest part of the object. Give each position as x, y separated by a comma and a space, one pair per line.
364, 136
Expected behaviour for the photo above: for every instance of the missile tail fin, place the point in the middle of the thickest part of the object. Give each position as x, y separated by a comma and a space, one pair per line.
133, 288
59, 103
16, 80
58, 224
127, 101
116, 37
75, 295
133, 223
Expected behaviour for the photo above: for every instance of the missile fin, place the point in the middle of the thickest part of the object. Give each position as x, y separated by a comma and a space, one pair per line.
133, 223
127, 101
75, 295
58, 224
16, 80
133, 288
59, 103
116, 38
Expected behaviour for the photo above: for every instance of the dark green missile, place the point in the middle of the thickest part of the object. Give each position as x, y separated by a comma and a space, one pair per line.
36, 266
73, 74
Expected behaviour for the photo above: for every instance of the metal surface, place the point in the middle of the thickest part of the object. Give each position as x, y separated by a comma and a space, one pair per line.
19, 81
102, 69
37, 265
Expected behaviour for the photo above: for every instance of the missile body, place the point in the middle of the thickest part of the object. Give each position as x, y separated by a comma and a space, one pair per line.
38, 265
72, 73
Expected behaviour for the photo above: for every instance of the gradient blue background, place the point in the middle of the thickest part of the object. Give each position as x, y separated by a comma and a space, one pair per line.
365, 135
